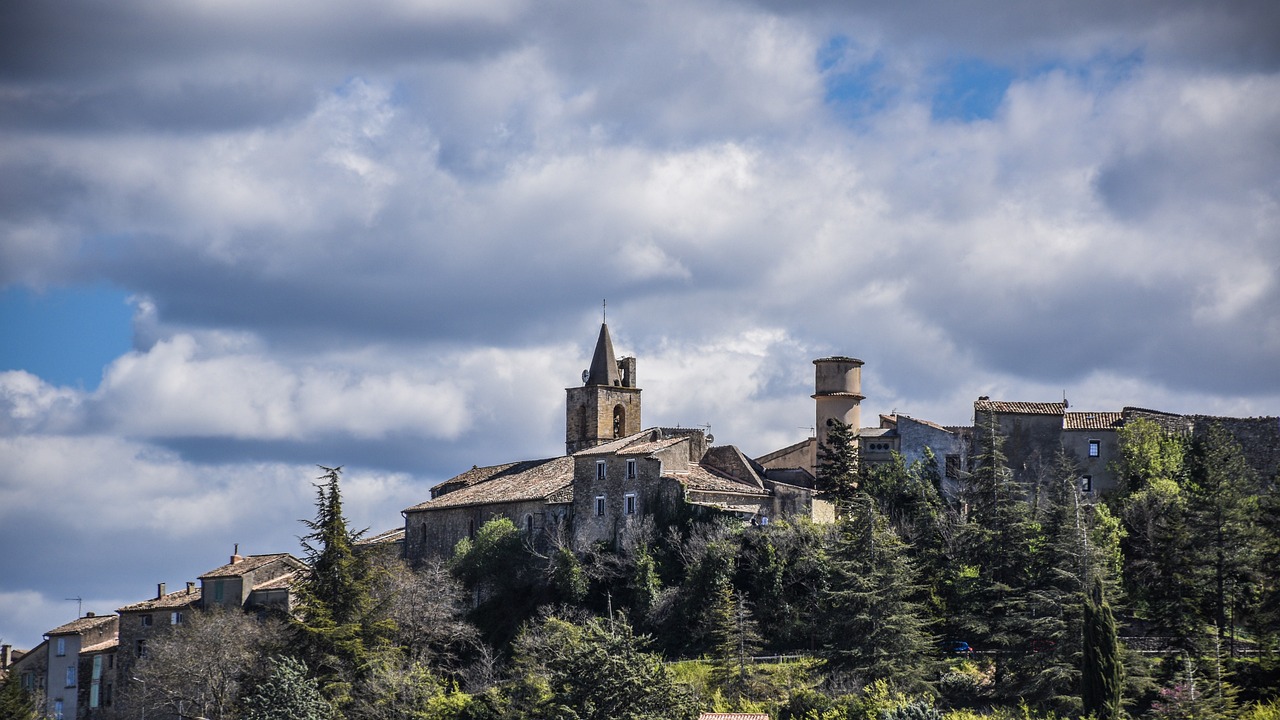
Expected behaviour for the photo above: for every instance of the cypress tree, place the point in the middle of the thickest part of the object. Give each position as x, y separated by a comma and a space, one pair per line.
1101, 668
838, 465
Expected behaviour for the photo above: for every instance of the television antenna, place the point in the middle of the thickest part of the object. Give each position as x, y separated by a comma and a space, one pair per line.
79, 605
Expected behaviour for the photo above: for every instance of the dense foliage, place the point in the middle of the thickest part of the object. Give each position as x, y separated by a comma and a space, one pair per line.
1013, 600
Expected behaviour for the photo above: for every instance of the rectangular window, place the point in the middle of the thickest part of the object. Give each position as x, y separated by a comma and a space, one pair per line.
217, 591
631, 469
1086, 484
629, 501
71, 676
142, 648
146, 621
599, 505
62, 647
953, 467
600, 470
175, 618
57, 709
1095, 448
106, 695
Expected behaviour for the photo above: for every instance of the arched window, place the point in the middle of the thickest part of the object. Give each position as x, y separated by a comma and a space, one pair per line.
528, 525
619, 420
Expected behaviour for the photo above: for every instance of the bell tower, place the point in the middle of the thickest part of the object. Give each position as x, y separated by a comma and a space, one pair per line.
607, 405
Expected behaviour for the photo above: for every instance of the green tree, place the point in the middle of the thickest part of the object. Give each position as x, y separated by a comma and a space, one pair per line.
16, 703
598, 671
1223, 495
737, 641
286, 692
338, 624
1148, 452
500, 571
1102, 670
875, 625
838, 466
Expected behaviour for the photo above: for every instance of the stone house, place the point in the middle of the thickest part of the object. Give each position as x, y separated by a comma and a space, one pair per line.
613, 476
31, 670
140, 622
255, 583
1035, 432
92, 636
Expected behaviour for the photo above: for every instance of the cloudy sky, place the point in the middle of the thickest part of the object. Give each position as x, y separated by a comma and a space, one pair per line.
240, 239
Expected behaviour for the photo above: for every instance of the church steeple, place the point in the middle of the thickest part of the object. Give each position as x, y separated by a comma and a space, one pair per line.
607, 405
604, 368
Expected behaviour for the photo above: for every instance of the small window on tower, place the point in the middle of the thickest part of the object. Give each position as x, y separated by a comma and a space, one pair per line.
619, 420
1086, 484
953, 467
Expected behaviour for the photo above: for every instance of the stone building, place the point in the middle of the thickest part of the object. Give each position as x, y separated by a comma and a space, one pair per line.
140, 622
612, 477
837, 395
66, 646
1035, 432
254, 583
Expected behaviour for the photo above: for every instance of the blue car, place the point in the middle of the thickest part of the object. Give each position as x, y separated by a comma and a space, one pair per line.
959, 647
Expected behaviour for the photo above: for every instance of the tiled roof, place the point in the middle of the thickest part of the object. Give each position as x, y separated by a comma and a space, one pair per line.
617, 445
1092, 420
104, 645
394, 535
704, 480
644, 448
249, 564
1020, 408
513, 482
279, 583
76, 627
925, 422
180, 598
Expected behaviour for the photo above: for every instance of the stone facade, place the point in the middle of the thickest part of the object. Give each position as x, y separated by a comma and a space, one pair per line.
142, 621
253, 582
613, 477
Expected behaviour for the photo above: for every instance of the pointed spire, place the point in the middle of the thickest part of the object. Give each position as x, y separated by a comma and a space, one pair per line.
604, 366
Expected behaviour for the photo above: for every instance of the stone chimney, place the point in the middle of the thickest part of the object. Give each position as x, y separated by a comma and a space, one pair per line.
159, 590
235, 555
191, 587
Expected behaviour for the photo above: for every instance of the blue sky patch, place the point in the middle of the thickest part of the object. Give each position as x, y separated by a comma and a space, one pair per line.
970, 89
64, 335
854, 89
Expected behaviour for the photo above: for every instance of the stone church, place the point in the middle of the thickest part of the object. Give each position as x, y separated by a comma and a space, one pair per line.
614, 474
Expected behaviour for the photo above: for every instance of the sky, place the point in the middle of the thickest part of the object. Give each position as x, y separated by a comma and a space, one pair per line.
239, 240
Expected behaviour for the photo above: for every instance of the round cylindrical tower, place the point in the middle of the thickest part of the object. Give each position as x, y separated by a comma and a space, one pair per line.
837, 390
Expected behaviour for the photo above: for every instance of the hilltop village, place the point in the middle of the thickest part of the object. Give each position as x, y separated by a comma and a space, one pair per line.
615, 476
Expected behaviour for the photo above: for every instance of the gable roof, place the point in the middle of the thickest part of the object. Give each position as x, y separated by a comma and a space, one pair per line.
249, 564
511, 482
88, 622
704, 479
280, 582
181, 598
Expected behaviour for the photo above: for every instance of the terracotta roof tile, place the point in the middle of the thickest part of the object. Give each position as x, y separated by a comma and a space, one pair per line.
1092, 420
104, 645
75, 627
1020, 408
180, 598
394, 535
249, 564
702, 479
513, 482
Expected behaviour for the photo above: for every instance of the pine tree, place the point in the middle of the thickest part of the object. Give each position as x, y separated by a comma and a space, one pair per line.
838, 465
1101, 671
1223, 494
337, 625
874, 623
286, 693
737, 641
16, 703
